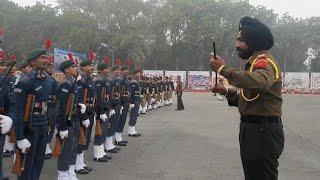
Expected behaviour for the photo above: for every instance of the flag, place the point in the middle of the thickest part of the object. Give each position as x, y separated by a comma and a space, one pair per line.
13, 57
3, 56
118, 62
47, 43
106, 59
92, 55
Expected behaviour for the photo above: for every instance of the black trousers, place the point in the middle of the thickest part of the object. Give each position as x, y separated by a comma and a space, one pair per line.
2, 139
134, 114
69, 147
88, 132
180, 105
35, 155
100, 139
261, 145
123, 117
64, 160
51, 115
114, 121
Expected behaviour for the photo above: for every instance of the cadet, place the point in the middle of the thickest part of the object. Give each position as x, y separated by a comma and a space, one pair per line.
69, 113
179, 92
259, 101
5, 121
114, 114
171, 89
154, 92
102, 110
143, 103
135, 103
125, 102
31, 123
11, 83
166, 91
52, 104
86, 96
148, 94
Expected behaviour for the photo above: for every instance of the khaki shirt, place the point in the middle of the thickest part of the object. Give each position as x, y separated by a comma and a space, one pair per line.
260, 86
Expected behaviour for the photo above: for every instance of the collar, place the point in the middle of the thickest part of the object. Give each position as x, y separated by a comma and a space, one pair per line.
40, 74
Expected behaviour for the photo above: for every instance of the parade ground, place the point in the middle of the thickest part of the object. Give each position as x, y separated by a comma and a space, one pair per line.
201, 143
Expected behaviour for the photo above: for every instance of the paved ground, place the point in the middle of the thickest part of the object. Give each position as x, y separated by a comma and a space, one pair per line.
201, 143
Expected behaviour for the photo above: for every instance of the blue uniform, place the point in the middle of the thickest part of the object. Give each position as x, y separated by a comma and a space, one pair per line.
125, 102
115, 105
65, 90
52, 105
85, 85
35, 130
4, 106
102, 88
135, 92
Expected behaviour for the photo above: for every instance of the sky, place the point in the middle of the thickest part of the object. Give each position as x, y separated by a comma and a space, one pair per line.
295, 8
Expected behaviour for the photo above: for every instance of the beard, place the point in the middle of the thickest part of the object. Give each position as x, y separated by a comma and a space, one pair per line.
244, 53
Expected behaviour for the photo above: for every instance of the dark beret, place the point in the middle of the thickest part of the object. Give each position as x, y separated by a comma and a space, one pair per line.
102, 66
256, 34
23, 65
136, 71
66, 64
35, 54
116, 68
85, 63
124, 67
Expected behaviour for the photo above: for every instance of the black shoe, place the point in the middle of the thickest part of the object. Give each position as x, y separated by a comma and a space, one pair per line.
82, 171
6, 154
114, 150
107, 157
5, 178
88, 168
121, 143
47, 156
118, 149
125, 141
103, 159
135, 135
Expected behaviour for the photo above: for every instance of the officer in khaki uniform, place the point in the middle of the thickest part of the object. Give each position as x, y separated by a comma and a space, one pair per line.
259, 100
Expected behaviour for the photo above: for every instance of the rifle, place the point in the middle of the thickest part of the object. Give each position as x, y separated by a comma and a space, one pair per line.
12, 137
82, 135
98, 130
59, 142
17, 167
215, 57
28, 111
57, 147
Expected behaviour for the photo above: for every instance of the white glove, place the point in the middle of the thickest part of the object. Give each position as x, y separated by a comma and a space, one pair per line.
86, 123
63, 134
131, 106
103, 117
5, 124
78, 78
112, 112
83, 108
23, 144
153, 100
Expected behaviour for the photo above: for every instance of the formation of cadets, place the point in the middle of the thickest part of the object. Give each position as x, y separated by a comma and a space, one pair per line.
35, 108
